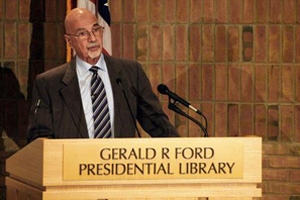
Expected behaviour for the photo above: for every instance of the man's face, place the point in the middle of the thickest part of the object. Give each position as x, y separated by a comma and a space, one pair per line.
84, 35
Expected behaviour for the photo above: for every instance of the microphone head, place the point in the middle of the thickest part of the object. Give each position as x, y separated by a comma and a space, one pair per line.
163, 89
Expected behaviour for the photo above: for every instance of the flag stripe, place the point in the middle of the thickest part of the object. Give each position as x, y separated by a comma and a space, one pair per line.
104, 11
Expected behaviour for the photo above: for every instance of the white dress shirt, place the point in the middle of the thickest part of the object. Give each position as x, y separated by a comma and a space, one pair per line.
84, 78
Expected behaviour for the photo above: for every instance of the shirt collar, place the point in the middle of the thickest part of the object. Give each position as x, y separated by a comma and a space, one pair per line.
83, 67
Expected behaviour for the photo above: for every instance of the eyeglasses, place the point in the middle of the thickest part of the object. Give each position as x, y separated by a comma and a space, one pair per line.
85, 34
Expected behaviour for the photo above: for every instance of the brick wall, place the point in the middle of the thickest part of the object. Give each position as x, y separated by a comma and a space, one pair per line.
235, 60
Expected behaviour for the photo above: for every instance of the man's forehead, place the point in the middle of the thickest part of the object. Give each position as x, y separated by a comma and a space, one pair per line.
83, 24
87, 26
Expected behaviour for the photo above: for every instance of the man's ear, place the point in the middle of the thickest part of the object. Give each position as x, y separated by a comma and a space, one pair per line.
68, 40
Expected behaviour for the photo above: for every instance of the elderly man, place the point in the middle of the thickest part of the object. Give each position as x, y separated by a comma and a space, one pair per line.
94, 95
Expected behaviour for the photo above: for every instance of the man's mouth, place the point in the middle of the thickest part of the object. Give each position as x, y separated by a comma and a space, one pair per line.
94, 48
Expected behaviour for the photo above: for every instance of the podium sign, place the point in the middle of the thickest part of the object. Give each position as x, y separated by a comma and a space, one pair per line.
151, 159
136, 168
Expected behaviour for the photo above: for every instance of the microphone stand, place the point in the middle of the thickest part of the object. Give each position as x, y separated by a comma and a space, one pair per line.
119, 82
205, 120
173, 107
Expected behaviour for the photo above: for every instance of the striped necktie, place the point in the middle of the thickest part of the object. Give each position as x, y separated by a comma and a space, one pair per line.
102, 127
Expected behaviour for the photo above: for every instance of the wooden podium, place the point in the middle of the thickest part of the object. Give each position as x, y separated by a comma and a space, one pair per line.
143, 168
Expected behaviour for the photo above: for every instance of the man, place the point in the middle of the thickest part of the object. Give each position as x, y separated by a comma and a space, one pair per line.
64, 97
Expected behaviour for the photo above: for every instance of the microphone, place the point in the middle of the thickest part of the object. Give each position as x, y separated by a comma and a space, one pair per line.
163, 89
119, 82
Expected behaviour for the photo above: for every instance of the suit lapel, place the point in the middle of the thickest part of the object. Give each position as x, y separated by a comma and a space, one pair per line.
115, 72
72, 98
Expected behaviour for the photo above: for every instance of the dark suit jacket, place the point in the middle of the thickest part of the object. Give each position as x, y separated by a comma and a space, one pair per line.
57, 110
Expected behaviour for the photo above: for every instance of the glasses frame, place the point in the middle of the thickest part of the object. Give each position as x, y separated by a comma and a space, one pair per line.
87, 34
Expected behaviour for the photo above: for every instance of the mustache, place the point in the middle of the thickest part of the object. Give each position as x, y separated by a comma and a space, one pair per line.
93, 44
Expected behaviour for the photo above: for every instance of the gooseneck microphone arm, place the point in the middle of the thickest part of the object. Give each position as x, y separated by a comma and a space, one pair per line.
173, 107
173, 98
119, 82
163, 89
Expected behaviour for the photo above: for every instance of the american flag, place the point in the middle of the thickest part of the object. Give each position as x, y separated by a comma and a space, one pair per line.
101, 10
